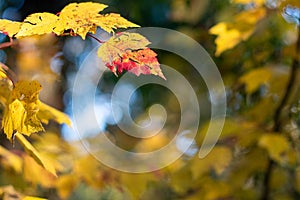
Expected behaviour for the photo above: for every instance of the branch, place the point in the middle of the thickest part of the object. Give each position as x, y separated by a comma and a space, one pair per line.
277, 115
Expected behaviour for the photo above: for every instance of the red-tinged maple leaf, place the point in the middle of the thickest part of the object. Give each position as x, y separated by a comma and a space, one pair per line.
138, 62
129, 52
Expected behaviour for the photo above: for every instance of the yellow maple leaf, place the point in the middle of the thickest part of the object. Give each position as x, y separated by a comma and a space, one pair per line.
21, 113
25, 112
227, 38
38, 24
229, 34
47, 113
9, 28
77, 17
112, 21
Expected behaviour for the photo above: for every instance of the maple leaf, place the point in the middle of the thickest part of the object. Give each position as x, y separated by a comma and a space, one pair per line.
9, 28
112, 21
21, 113
25, 113
83, 18
78, 17
47, 113
129, 52
38, 24
229, 34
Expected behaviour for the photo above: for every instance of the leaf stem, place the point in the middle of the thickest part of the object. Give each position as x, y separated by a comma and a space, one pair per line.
7, 44
277, 116
95, 38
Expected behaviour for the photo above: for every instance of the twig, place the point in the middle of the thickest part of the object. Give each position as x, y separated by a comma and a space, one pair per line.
6, 44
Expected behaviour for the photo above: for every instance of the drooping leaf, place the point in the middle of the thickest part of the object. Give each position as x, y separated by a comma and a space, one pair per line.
112, 21
41, 160
38, 24
128, 51
25, 113
9, 28
21, 113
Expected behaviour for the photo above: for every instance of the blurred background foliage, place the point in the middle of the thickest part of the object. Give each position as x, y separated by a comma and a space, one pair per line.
253, 43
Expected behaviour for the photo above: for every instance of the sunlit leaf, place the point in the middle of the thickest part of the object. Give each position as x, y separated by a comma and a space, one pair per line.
9, 28
128, 51
21, 113
112, 21
229, 34
118, 44
24, 112
78, 17
276, 145
255, 78
38, 24
44, 162
47, 113
227, 38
